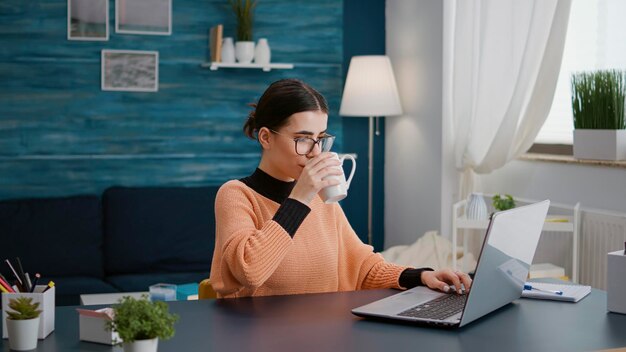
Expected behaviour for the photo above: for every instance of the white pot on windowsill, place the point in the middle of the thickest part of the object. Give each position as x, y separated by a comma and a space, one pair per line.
600, 144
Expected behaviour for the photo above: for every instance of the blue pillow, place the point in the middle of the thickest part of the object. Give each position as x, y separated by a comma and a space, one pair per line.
53, 236
158, 229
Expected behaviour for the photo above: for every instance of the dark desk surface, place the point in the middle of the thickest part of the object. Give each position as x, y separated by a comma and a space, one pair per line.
323, 322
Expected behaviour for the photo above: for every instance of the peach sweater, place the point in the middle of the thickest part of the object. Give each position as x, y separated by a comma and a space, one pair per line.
256, 256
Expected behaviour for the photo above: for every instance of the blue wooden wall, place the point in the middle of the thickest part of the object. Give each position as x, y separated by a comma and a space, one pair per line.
61, 135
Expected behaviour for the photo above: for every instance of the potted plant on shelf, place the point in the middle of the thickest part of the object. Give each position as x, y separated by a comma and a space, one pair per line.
598, 109
505, 202
244, 13
22, 323
140, 323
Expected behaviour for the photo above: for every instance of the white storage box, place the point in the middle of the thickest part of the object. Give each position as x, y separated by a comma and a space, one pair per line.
616, 283
92, 326
46, 305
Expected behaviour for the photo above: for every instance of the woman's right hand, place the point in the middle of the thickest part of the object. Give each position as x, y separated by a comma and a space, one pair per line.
313, 177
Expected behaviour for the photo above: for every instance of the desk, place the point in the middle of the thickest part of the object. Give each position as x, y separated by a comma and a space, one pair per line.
323, 322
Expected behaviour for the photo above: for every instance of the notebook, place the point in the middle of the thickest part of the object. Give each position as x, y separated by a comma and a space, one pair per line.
571, 292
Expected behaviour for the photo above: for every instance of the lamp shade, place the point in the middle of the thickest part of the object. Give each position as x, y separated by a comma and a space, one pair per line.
370, 88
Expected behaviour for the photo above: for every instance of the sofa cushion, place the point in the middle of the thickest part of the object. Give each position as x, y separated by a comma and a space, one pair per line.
141, 282
69, 288
53, 236
158, 229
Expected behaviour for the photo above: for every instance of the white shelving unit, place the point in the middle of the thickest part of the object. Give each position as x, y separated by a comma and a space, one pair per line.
214, 66
460, 221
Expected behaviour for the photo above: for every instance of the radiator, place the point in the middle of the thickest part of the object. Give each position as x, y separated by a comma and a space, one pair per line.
601, 232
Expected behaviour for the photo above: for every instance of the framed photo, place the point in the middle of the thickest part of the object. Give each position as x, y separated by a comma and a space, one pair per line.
130, 70
151, 17
88, 20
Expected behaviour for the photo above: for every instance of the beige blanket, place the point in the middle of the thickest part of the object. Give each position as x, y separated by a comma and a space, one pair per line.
431, 250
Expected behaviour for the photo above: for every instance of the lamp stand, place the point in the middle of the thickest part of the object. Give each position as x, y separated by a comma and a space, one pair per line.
370, 181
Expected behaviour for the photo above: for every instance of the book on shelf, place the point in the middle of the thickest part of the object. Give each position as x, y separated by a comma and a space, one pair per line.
215, 42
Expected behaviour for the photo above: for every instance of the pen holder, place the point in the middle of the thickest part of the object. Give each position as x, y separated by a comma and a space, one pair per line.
46, 305
616, 282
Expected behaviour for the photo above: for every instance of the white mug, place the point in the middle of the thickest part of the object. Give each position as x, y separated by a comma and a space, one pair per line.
338, 192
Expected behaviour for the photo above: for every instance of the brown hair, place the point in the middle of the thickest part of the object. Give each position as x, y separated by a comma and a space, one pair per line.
281, 100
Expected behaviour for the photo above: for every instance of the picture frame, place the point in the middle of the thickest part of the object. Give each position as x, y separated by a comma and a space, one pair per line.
88, 20
130, 70
148, 17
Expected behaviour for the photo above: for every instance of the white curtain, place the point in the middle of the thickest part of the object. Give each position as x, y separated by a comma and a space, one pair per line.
501, 64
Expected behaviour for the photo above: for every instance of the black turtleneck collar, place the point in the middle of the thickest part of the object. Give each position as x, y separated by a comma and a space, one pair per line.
268, 186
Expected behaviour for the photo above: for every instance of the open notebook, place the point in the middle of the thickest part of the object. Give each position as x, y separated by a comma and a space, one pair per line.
571, 292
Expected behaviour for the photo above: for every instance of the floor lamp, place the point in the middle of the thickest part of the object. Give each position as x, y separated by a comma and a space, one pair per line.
370, 91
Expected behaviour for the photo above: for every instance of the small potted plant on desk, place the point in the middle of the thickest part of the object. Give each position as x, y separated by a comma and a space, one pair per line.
140, 323
22, 323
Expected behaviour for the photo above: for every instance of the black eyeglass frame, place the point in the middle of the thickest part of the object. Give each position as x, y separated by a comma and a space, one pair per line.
315, 142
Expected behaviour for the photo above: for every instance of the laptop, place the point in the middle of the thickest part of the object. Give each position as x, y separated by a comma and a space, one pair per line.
503, 265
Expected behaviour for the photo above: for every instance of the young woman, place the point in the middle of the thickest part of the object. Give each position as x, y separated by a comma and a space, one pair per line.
275, 236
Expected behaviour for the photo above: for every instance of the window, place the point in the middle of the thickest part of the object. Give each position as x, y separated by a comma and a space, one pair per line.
596, 39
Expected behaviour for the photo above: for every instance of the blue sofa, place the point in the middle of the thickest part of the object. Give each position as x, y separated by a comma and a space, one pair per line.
124, 241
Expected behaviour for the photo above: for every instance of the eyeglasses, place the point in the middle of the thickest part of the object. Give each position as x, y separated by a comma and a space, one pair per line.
305, 145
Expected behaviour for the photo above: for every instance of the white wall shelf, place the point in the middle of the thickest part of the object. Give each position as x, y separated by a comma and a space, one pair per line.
214, 66
557, 223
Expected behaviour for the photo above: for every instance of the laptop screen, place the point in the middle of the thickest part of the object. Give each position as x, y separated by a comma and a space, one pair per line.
505, 259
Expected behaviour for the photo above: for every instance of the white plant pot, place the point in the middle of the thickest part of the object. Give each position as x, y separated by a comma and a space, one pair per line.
600, 144
142, 345
23, 334
244, 52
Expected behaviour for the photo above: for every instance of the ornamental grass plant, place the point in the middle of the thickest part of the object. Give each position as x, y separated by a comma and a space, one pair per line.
598, 99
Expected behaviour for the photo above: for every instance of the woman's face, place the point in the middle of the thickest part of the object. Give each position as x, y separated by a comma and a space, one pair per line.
279, 156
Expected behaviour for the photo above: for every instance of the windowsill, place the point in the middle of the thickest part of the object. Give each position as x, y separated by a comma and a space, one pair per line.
568, 159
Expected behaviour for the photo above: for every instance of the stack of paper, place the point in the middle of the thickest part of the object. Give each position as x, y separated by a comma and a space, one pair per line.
571, 293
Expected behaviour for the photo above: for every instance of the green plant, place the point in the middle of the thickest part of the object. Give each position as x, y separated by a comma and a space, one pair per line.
23, 308
598, 99
244, 12
140, 319
503, 203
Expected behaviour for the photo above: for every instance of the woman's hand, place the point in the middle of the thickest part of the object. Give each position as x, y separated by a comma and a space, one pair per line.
312, 179
442, 279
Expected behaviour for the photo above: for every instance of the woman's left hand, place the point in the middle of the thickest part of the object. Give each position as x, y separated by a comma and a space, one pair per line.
442, 279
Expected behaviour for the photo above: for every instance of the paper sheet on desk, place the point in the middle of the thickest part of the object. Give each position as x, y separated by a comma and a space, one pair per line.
571, 293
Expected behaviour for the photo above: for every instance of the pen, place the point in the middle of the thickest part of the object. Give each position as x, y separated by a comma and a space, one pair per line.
20, 271
624, 247
529, 287
37, 276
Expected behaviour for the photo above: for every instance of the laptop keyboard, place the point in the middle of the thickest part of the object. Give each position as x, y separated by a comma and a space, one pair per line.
437, 309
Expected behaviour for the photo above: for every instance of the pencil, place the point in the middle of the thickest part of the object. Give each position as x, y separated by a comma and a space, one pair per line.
5, 284
50, 285
13, 270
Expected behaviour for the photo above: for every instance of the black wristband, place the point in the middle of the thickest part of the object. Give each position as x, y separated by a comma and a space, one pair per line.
412, 277
291, 214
